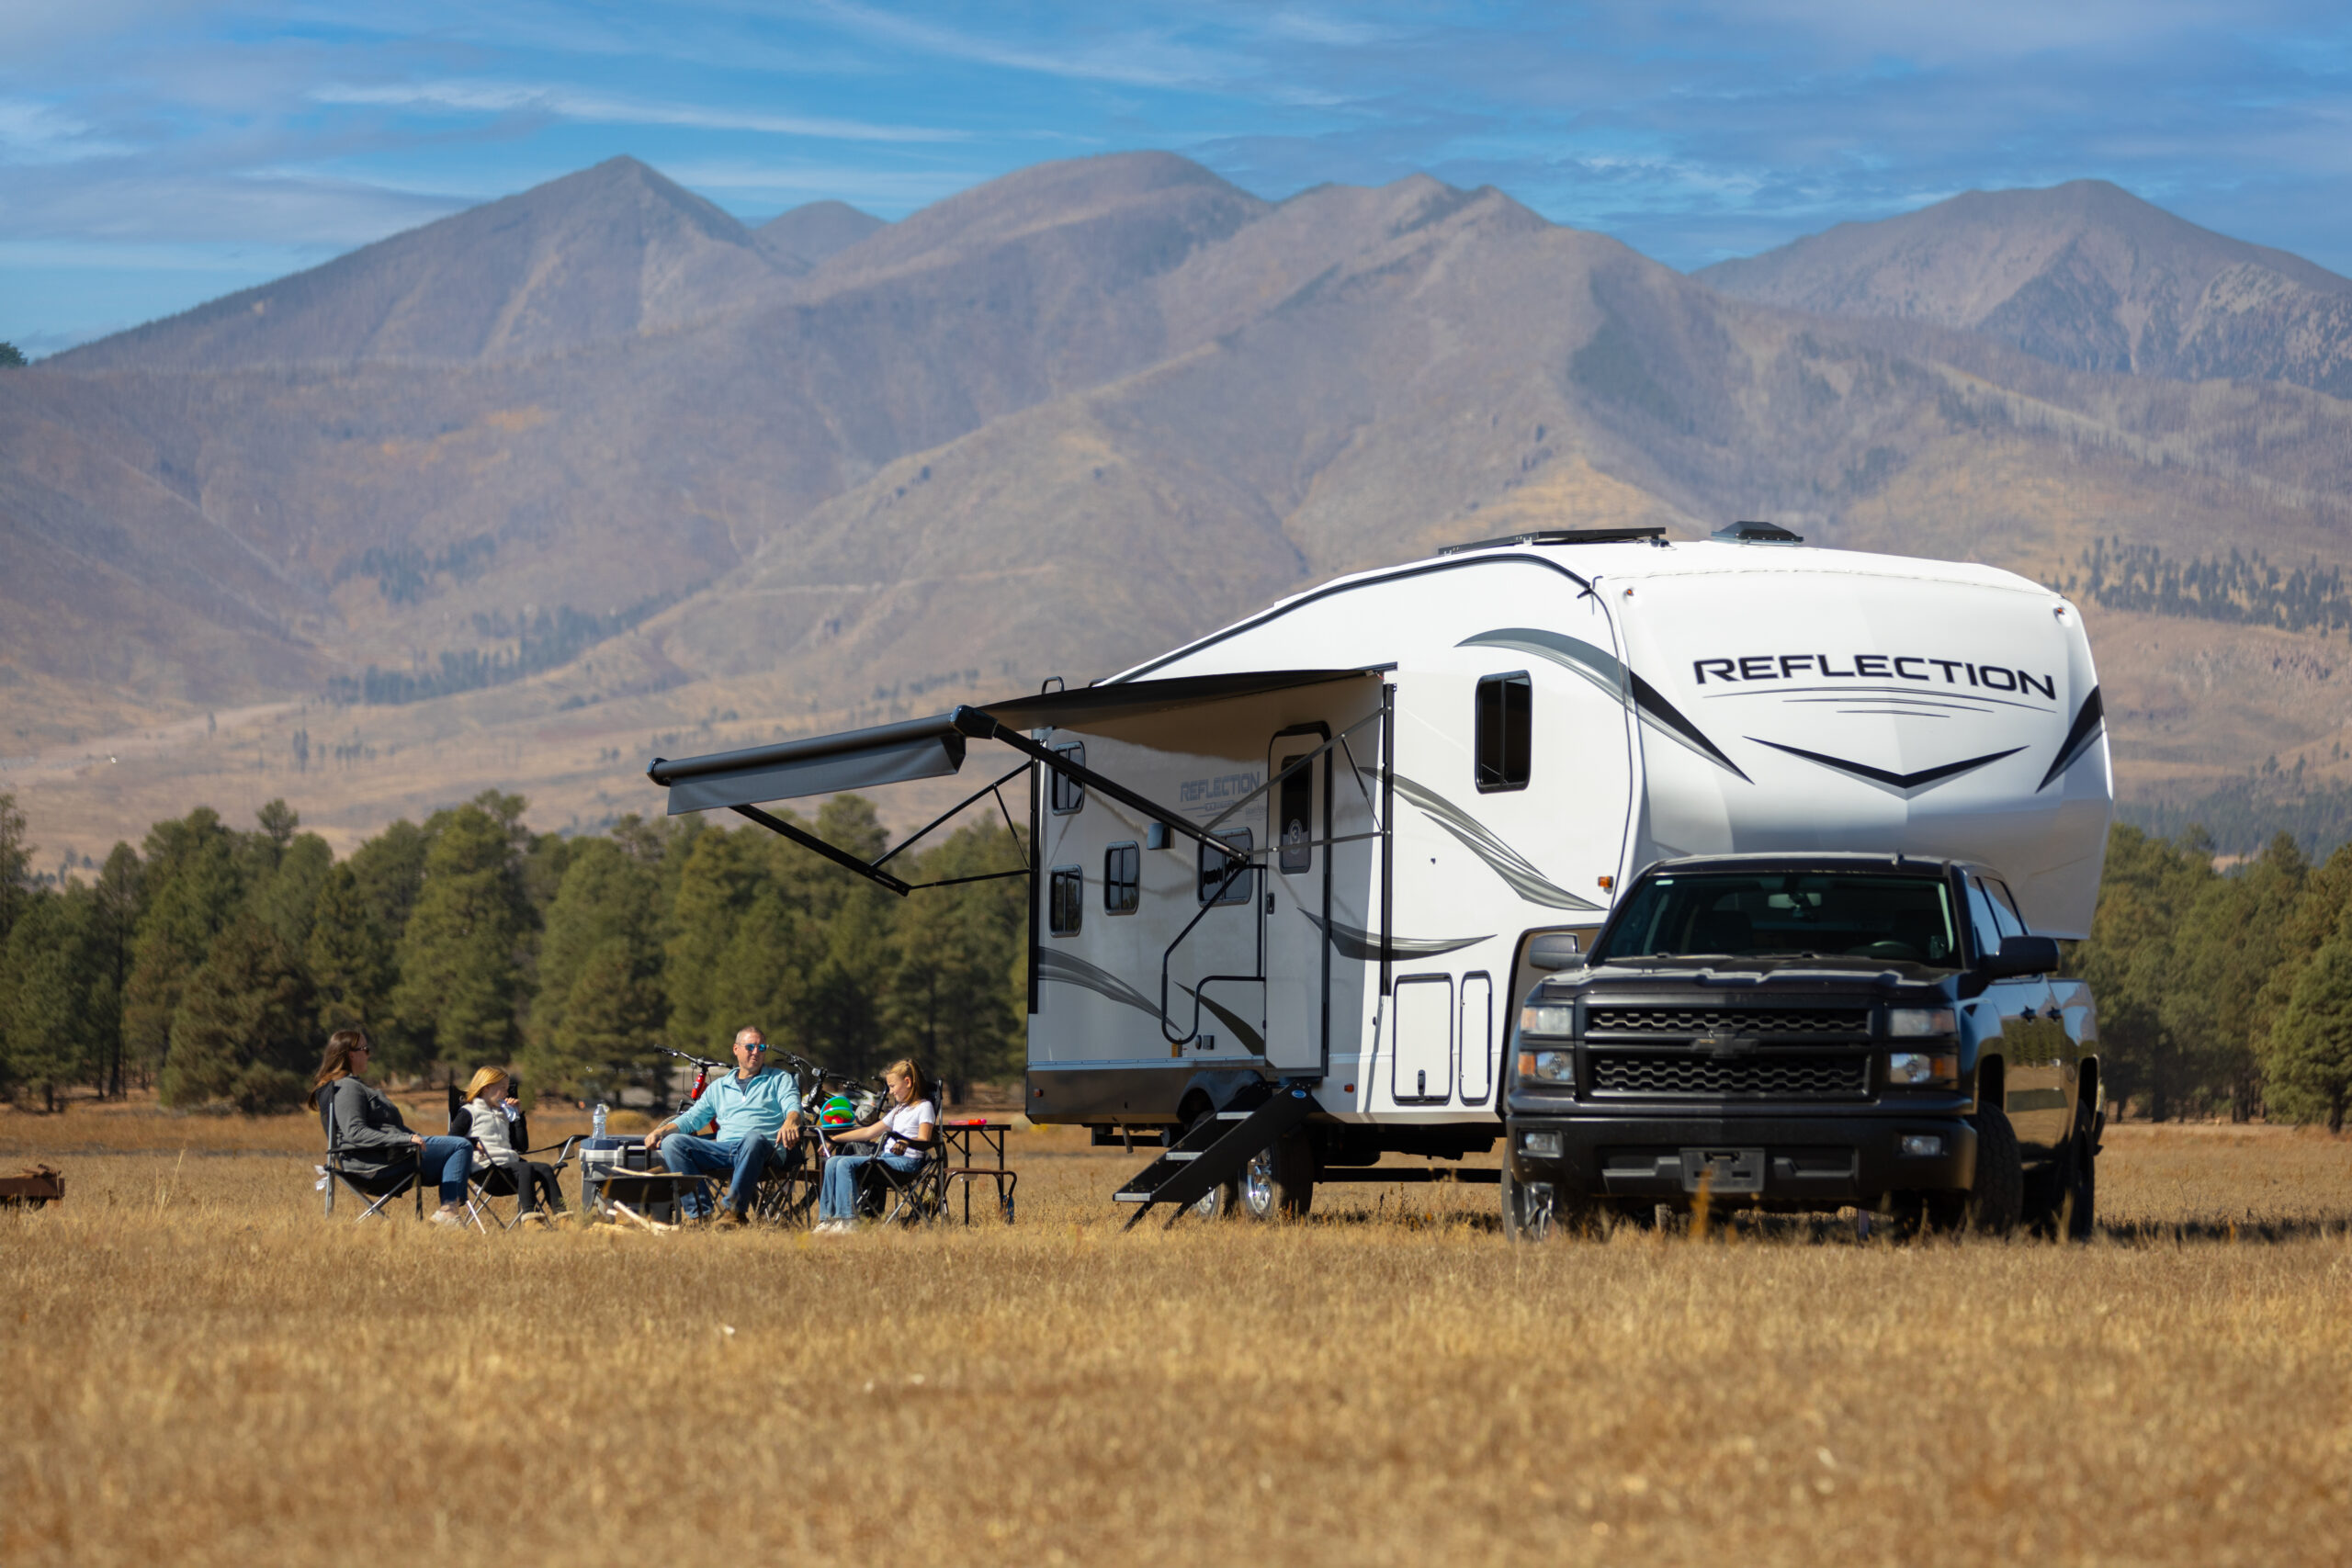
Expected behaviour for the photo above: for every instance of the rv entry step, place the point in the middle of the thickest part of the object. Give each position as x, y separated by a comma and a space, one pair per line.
1215, 1151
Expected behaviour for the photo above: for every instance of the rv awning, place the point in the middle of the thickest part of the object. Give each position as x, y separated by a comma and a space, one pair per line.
1092, 705
932, 747
822, 764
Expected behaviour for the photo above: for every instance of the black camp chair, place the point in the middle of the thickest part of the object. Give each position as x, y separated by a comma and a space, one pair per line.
917, 1197
376, 1187
498, 1182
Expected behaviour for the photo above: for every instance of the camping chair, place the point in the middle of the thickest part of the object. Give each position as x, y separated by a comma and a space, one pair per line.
788, 1197
376, 1188
497, 1180
909, 1197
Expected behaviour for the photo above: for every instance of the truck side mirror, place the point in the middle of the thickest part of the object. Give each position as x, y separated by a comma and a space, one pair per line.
1556, 950
2021, 956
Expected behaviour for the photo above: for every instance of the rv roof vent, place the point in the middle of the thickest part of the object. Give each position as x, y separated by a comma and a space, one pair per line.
1759, 534
1560, 536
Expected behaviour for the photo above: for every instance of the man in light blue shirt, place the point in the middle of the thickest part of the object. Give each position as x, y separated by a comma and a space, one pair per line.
755, 1117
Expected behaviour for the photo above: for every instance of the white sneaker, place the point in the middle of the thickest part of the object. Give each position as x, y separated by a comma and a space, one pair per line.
444, 1217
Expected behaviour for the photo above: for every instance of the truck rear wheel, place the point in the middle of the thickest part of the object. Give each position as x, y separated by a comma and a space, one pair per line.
1279, 1181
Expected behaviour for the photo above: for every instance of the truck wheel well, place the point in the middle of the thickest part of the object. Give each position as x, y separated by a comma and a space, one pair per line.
1991, 1072
2088, 1095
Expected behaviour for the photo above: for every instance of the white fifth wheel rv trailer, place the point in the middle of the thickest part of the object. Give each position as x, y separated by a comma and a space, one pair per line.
1293, 875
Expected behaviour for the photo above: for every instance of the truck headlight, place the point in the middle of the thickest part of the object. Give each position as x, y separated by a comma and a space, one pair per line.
1922, 1069
1540, 1145
1918, 1023
1548, 1066
1547, 1020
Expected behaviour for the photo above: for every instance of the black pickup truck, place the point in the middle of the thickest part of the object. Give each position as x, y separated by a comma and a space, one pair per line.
1808, 1032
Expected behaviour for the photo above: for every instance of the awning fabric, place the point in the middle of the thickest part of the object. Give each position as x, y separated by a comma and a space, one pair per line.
930, 748
1092, 705
822, 764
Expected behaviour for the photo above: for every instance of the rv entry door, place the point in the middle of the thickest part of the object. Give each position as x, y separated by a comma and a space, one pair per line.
1298, 901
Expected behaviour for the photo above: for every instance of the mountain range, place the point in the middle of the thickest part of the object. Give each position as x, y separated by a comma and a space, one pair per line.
516, 497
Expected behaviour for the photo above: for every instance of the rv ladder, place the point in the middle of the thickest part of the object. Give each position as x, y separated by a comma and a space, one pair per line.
1214, 1151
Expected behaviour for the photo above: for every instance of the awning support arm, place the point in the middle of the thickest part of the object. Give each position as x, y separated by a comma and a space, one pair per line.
1296, 763
952, 810
810, 842
981, 725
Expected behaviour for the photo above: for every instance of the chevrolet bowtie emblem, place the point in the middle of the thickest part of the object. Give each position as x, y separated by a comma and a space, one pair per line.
1723, 1044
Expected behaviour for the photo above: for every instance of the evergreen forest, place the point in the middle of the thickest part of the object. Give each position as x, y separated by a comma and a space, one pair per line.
210, 961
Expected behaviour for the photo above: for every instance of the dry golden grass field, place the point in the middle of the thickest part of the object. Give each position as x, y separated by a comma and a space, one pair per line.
197, 1369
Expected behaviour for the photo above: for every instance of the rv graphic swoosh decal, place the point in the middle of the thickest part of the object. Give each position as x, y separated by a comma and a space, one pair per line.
2079, 735
1054, 965
1604, 670
1251, 1041
1661, 715
1596, 665
1501, 859
1908, 786
1353, 941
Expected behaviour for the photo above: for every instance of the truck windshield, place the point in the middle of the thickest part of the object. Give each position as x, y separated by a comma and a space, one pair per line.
1786, 915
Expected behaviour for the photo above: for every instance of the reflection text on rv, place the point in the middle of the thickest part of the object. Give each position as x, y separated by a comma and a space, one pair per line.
1874, 666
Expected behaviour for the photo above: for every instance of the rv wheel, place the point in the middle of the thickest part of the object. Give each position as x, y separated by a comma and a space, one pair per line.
1279, 1182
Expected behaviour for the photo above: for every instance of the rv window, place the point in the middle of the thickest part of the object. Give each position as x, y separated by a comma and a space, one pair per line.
1069, 795
1122, 873
1215, 865
1295, 812
1066, 900
1506, 723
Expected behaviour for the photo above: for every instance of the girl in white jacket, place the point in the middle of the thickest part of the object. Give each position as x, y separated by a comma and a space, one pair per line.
500, 1137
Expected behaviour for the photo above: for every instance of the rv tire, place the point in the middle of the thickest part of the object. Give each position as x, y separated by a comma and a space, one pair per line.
1280, 1183
1222, 1200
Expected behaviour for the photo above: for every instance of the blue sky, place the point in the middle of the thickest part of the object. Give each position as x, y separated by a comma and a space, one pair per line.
156, 154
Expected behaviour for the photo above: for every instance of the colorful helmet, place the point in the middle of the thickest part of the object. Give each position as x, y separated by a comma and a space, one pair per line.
837, 1111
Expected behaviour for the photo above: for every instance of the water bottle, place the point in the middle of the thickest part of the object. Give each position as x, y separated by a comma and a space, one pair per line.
600, 1119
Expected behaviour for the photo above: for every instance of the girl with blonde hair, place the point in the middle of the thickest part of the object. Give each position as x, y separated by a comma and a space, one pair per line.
905, 1132
502, 1140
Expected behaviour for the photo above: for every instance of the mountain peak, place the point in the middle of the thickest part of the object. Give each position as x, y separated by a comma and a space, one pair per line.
604, 252
2086, 274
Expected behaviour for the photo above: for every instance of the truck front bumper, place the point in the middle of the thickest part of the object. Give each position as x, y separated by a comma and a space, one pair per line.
1776, 1158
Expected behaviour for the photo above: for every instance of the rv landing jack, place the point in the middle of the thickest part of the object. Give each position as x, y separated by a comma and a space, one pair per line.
1217, 1150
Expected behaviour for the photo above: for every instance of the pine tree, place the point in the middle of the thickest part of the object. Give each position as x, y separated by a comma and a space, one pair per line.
192, 886
115, 924
461, 954
962, 950
2309, 1055
600, 1008
2230, 941
388, 870
244, 1026
55, 1000
16, 863
721, 876
2132, 964
351, 959
764, 977
287, 897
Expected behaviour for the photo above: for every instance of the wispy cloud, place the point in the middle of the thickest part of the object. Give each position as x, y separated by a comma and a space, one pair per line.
612, 108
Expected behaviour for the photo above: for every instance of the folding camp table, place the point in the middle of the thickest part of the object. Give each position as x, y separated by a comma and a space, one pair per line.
956, 1147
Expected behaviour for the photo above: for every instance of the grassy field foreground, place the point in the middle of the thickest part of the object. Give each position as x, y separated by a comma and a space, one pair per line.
194, 1367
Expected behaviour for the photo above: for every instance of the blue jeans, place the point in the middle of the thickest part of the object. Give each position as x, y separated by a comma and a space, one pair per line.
839, 1198
742, 1162
448, 1159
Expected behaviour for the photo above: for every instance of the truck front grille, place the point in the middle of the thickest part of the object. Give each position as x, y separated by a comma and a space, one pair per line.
1692, 1020
1766, 1076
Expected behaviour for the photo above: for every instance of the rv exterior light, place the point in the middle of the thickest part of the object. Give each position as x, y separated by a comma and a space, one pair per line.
1542, 1146
1558, 1020
1922, 1069
1922, 1146
1918, 1023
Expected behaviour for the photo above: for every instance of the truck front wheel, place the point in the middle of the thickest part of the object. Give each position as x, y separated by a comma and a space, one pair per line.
1996, 1203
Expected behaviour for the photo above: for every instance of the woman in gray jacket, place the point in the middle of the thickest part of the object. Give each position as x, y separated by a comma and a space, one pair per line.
366, 1128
